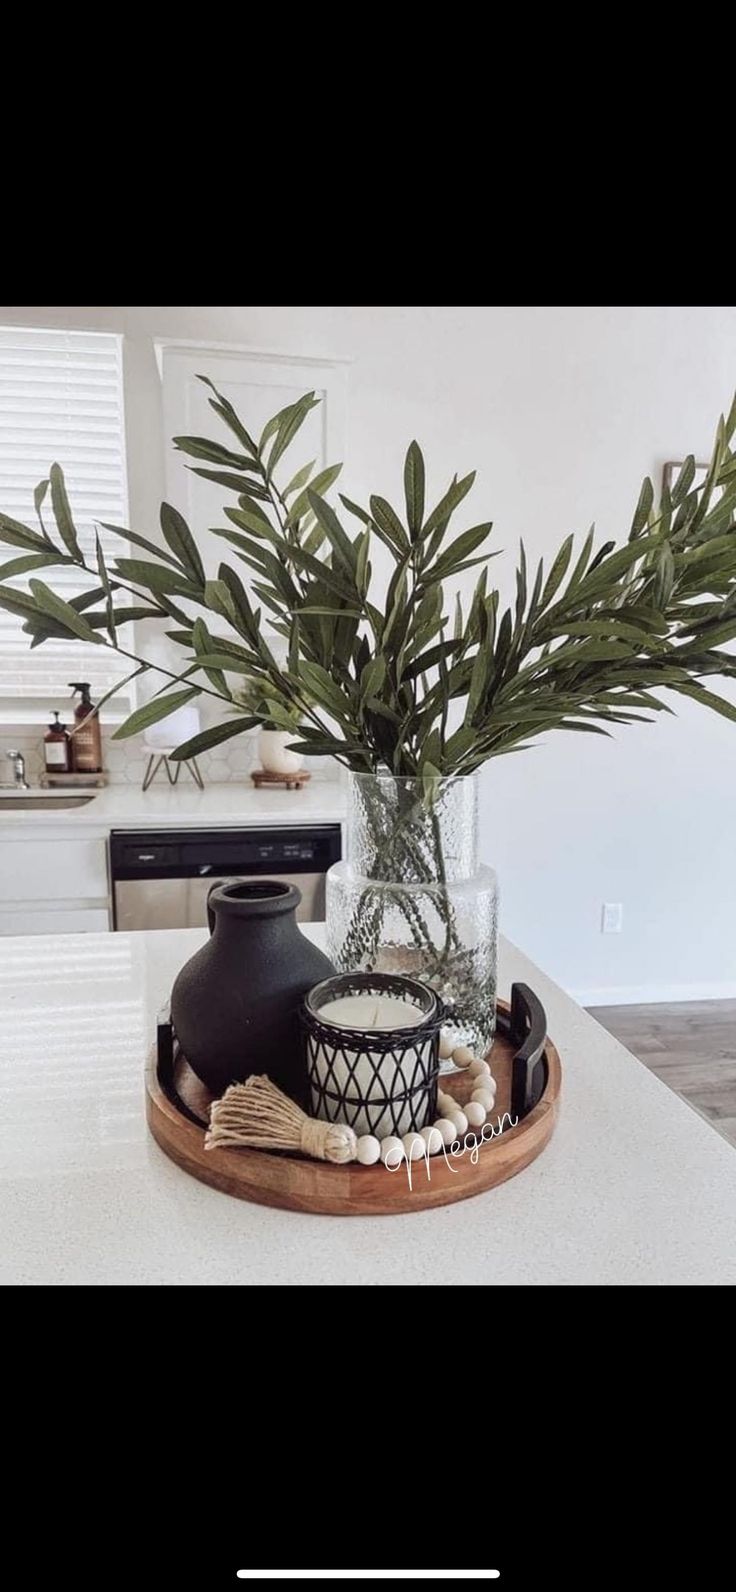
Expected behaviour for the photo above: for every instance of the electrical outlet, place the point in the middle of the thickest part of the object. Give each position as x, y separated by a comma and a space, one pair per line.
612, 917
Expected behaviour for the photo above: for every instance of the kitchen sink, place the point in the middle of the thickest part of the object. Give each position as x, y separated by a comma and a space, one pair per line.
26, 800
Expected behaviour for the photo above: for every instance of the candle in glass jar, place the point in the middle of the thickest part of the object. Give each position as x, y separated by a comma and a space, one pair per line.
372, 1076
371, 1011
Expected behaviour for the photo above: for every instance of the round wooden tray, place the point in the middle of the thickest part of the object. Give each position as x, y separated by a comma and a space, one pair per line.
298, 1184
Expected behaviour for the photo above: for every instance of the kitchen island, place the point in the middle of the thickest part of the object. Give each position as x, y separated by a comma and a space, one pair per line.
634, 1187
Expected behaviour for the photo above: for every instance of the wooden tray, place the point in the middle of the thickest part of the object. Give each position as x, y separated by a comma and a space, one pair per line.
298, 1184
261, 776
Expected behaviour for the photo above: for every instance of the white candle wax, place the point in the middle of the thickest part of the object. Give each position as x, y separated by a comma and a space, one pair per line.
367, 1013
371, 1011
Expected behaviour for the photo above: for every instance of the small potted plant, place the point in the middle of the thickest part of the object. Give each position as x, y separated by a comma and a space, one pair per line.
280, 725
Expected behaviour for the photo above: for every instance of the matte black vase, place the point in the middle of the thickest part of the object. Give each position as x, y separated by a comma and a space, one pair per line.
235, 1005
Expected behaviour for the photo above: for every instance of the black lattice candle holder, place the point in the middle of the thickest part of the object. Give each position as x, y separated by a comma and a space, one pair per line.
378, 1080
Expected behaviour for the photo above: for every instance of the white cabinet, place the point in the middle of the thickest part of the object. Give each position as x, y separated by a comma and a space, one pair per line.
53, 885
42, 920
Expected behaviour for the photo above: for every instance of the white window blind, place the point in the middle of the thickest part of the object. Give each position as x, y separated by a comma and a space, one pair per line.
61, 400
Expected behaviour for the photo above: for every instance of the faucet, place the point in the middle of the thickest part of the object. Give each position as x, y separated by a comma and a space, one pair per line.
19, 770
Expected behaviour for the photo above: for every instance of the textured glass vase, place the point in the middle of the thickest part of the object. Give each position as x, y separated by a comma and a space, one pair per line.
411, 897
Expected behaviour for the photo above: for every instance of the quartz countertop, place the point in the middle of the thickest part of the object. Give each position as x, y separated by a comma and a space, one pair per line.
183, 806
634, 1187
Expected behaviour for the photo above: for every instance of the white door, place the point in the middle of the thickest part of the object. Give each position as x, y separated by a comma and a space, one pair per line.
258, 385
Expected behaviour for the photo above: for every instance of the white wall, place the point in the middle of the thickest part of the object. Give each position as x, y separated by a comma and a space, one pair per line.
562, 411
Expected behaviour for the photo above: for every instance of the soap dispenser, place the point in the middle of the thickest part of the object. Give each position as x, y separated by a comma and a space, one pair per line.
86, 740
56, 748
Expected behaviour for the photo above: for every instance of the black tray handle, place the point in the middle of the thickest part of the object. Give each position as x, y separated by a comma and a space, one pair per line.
166, 1054
528, 1031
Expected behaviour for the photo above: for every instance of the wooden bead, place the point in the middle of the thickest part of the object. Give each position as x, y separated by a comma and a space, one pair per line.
447, 1105
369, 1150
484, 1098
433, 1139
446, 1047
462, 1056
478, 1068
474, 1112
460, 1121
446, 1129
414, 1145
390, 1146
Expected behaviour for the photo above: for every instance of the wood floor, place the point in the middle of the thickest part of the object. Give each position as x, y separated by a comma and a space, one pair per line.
691, 1046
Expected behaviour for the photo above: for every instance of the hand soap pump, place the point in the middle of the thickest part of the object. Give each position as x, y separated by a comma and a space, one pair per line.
56, 748
85, 739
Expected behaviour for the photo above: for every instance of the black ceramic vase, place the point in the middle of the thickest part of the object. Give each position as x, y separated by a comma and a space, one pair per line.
235, 1005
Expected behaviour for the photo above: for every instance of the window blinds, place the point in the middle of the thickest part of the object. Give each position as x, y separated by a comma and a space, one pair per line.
61, 399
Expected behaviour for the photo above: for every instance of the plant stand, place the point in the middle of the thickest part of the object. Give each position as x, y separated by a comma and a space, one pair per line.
157, 758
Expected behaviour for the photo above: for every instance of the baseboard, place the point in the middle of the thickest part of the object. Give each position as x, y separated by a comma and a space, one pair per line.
652, 994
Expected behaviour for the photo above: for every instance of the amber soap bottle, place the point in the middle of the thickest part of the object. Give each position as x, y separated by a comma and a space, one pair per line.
56, 748
85, 740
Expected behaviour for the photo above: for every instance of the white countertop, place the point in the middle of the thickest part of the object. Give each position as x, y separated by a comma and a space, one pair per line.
633, 1188
166, 807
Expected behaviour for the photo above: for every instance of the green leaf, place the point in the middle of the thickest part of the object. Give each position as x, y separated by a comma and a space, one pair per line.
643, 509
225, 410
226, 478
684, 481
332, 613
204, 646
19, 602
17, 535
62, 612
179, 538
664, 577
372, 676
322, 687
363, 568
63, 513
140, 541
321, 484
254, 518
339, 542
153, 711
708, 699
20, 566
299, 480
214, 736
107, 588
428, 660
452, 559
414, 489
354, 508
387, 520
212, 452
39, 494
154, 576
288, 428
447, 505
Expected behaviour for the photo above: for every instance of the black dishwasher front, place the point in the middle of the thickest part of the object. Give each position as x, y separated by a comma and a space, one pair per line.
161, 878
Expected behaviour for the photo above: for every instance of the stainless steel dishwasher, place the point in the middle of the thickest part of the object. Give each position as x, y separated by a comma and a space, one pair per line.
160, 878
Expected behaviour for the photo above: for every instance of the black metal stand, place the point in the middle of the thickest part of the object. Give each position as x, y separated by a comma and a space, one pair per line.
154, 764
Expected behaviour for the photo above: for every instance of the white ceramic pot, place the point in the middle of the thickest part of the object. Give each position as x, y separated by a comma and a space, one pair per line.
272, 751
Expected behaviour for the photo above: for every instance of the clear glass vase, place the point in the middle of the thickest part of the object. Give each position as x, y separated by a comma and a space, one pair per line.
411, 897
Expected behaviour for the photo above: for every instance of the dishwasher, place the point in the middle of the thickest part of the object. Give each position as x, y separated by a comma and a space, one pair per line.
161, 878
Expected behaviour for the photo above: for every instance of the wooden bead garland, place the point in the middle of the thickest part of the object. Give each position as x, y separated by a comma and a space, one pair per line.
257, 1114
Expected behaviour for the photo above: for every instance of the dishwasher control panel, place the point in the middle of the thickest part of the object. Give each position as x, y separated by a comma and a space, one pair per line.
186, 854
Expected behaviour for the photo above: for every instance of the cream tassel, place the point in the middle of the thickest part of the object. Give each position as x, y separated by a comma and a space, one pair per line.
257, 1115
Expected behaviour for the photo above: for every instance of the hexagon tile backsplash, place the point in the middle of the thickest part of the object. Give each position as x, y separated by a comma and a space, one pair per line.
125, 762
